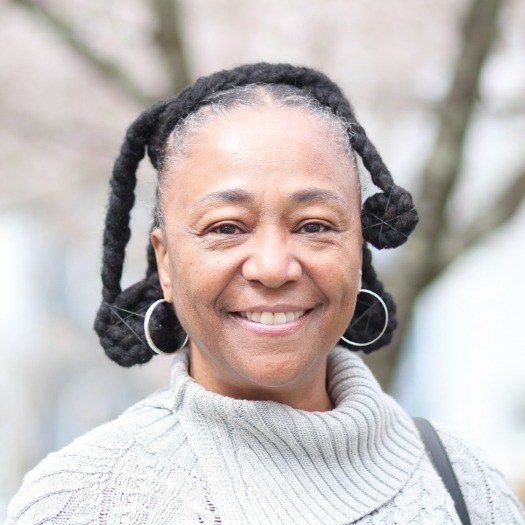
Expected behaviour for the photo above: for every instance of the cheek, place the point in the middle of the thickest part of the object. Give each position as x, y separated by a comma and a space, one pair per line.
337, 273
199, 276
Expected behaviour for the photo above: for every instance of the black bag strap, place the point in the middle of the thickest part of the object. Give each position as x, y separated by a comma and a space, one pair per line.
441, 463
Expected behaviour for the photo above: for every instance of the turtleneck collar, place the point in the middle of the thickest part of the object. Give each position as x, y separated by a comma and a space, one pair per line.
268, 462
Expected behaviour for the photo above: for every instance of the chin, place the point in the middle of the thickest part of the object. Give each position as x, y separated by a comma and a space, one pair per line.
275, 370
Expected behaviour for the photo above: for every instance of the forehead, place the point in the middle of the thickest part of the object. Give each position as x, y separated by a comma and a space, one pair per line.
263, 149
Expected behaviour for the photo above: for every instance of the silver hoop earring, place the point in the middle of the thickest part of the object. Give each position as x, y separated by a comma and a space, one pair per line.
384, 327
151, 344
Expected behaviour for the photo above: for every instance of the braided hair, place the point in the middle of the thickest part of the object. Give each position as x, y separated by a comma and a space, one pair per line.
388, 217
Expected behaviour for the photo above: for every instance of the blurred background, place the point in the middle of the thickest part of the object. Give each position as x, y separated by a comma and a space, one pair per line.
440, 89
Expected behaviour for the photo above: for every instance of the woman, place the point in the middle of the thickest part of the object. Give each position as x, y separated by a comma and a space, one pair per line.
260, 282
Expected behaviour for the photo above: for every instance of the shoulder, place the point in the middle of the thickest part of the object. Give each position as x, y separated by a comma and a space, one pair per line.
487, 494
67, 481
74, 482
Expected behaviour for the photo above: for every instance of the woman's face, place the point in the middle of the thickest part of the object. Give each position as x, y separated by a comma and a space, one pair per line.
262, 225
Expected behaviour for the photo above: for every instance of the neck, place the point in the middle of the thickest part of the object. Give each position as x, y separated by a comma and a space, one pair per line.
307, 393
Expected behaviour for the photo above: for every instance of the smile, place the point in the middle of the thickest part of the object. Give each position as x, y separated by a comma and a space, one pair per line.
272, 318
277, 323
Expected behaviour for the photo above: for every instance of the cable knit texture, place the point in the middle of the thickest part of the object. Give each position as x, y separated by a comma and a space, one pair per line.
187, 455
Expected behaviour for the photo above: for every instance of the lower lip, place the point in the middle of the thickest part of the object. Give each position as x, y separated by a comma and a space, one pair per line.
275, 329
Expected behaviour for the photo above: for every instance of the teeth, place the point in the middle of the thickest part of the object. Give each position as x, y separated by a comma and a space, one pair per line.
271, 318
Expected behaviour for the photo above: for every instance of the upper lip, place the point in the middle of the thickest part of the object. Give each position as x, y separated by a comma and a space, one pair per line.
274, 308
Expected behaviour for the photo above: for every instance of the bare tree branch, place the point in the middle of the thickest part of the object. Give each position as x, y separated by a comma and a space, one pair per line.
440, 175
169, 40
443, 167
109, 69
502, 209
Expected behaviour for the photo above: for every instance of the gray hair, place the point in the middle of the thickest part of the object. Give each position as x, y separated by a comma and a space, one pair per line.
254, 95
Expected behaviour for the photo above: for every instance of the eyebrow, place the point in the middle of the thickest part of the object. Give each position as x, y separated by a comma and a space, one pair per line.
242, 196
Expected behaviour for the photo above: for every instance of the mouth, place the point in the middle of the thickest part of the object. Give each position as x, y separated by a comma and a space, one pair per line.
272, 322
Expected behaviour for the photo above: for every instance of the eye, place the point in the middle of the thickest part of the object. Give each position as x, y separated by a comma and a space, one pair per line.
232, 229
315, 227
225, 229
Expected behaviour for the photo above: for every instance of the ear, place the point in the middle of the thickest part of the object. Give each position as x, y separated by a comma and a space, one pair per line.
163, 262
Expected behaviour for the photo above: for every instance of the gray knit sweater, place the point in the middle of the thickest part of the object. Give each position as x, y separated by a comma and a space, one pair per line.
187, 455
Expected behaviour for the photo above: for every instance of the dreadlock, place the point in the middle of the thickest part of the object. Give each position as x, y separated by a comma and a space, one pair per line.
388, 217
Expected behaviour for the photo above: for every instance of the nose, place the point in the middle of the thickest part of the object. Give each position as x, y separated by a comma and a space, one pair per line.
271, 260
